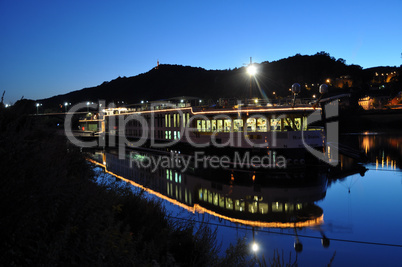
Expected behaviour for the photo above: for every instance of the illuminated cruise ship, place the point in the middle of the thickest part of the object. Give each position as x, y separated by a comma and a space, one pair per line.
227, 126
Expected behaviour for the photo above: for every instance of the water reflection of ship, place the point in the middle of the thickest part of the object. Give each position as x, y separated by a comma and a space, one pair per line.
277, 201
255, 199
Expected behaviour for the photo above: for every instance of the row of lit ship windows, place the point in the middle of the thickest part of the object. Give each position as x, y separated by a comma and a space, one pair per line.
174, 190
177, 192
174, 179
252, 125
254, 206
228, 125
168, 135
169, 120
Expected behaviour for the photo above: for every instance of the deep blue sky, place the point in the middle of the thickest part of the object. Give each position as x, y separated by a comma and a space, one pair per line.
54, 47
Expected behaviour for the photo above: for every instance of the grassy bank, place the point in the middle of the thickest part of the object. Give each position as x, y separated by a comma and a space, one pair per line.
54, 213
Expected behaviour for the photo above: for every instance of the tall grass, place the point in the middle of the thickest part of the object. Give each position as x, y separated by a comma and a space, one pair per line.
53, 212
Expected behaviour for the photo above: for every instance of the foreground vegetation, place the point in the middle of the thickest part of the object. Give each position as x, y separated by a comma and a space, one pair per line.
54, 213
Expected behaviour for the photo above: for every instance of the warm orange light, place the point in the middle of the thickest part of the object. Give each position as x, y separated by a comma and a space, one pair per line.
219, 111
308, 223
150, 191
256, 110
366, 143
199, 209
231, 111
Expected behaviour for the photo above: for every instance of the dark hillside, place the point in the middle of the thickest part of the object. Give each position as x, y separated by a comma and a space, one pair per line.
174, 80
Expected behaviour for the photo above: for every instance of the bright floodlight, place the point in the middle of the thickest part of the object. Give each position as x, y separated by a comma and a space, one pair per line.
254, 247
252, 70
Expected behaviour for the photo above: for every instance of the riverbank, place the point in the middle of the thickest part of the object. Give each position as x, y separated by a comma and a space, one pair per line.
370, 120
54, 212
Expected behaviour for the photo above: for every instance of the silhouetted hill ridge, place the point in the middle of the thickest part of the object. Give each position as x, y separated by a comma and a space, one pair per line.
175, 80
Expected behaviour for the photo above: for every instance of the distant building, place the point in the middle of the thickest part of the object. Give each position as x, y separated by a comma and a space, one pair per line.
343, 82
384, 77
366, 103
376, 102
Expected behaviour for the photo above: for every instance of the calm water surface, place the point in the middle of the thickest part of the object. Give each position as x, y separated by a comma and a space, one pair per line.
350, 214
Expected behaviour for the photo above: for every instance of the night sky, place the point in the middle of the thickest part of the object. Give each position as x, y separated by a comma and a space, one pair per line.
54, 47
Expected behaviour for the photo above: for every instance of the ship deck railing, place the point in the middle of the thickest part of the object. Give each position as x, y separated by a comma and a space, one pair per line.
222, 103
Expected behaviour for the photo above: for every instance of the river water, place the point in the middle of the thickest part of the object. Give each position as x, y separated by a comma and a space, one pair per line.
349, 215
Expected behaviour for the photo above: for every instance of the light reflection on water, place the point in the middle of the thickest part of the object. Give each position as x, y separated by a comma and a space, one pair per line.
357, 210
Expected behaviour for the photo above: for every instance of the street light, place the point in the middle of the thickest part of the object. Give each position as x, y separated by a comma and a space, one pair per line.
66, 105
37, 108
252, 70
